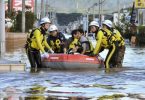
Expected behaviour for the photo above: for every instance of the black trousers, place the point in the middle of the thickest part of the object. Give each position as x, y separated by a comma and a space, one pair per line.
34, 58
113, 60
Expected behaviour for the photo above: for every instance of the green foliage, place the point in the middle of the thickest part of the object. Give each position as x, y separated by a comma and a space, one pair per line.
124, 27
30, 18
19, 22
141, 35
12, 15
125, 32
141, 29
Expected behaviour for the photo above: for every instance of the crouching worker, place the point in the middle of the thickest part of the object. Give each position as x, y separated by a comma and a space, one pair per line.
73, 45
56, 40
87, 46
36, 43
105, 40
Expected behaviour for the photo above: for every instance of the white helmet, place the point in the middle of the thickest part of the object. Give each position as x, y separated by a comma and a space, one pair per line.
53, 28
45, 20
108, 23
94, 23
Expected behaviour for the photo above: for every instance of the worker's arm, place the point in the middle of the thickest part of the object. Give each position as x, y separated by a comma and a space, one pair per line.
37, 35
98, 44
46, 44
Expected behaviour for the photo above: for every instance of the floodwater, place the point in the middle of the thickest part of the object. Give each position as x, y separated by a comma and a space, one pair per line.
127, 83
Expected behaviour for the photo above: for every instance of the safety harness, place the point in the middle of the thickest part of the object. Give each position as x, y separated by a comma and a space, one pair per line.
29, 38
90, 45
121, 38
108, 36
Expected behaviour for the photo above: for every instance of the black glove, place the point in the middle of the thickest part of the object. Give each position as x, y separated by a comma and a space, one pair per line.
92, 55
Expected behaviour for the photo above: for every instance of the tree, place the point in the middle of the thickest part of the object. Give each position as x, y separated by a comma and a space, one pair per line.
30, 18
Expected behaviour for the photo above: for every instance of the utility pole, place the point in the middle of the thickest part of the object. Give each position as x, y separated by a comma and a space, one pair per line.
99, 12
9, 6
87, 24
118, 2
23, 16
2, 28
47, 8
36, 8
42, 8
94, 12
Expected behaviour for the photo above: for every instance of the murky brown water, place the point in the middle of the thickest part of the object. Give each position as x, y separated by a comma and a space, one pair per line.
126, 83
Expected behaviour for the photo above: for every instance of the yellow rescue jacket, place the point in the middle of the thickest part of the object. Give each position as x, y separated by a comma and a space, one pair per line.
119, 37
38, 40
57, 43
74, 43
104, 39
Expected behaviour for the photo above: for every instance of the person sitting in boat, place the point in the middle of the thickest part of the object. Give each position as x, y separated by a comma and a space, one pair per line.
73, 45
36, 42
105, 39
56, 40
85, 43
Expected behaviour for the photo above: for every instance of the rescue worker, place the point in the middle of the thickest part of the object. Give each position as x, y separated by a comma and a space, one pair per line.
87, 46
36, 43
56, 40
105, 40
119, 56
73, 45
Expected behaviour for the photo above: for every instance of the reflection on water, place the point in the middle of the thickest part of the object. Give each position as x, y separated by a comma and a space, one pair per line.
125, 83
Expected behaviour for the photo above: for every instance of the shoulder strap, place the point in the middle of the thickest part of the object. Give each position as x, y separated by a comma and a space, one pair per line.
86, 41
104, 32
32, 33
89, 43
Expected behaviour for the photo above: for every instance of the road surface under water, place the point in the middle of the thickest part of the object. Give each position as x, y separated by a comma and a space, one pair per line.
126, 83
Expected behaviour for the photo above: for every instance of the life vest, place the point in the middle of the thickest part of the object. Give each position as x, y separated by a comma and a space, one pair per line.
91, 48
74, 42
119, 37
108, 38
56, 43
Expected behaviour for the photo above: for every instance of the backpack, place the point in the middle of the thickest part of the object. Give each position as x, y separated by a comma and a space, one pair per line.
110, 39
29, 37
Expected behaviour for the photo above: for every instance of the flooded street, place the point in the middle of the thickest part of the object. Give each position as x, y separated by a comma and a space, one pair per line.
125, 84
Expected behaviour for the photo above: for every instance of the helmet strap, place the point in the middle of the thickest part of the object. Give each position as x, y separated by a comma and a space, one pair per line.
43, 26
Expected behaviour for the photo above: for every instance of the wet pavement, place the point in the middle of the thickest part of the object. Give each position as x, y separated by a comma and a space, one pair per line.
125, 83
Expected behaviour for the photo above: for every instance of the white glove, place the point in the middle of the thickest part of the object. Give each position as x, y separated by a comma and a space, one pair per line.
45, 55
51, 51
100, 58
